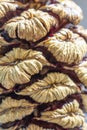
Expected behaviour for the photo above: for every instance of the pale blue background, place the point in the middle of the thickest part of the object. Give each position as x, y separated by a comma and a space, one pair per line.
83, 5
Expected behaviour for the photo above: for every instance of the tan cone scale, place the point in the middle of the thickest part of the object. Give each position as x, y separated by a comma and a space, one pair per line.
43, 65
68, 116
56, 86
37, 23
12, 109
19, 65
41, 21
65, 11
65, 46
6, 6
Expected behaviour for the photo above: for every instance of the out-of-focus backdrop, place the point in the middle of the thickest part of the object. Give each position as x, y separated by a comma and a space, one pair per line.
83, 5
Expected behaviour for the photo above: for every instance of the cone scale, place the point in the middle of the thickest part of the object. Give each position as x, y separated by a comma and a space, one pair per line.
43, 65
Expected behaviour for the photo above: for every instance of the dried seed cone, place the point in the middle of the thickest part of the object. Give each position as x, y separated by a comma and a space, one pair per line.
38, 21
11, 109
66, 46
43, 65
70, 112
55, 86
18, 65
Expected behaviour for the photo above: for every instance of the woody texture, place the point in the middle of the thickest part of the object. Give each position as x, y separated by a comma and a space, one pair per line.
43, 65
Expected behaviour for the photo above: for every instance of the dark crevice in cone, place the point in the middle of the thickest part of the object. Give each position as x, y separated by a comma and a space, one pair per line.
49, 56
7, 125
54, 15
58, 104
18, 123
29, 119
31, 1
60, 66
34, 78
4, 34
53, 126
47, 69
52, 105
43, 2
24, 1
11, 14
70, 73
53, 30
15, 13
49, 106
6, 48
47, 125
61, 24
14, 44
17, 97
54, 1
2, 86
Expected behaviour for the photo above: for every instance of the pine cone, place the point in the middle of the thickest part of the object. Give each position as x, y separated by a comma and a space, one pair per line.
43, 65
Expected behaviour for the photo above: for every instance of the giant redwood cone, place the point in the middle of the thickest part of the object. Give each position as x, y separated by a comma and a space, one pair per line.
43, 65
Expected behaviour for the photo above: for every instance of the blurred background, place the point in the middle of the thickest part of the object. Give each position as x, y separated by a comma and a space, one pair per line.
83, 5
